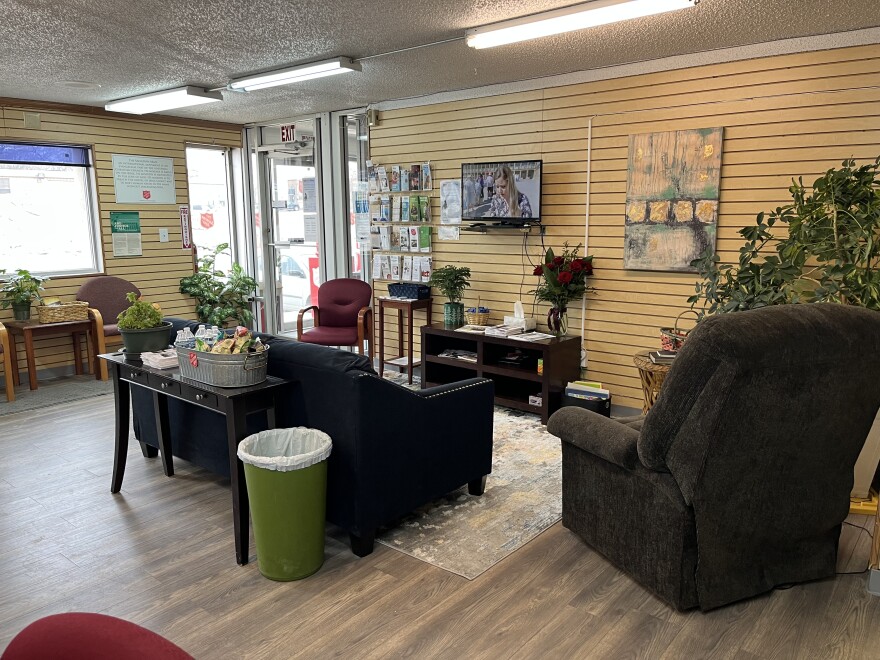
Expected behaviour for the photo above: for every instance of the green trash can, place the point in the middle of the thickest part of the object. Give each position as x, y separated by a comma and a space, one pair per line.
286, 475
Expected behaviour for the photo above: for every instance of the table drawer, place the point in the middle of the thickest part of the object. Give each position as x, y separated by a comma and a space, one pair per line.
164, 385
205, 399
133, 375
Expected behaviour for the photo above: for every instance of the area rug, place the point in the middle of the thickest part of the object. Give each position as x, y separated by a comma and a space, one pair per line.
467, 535
50, 392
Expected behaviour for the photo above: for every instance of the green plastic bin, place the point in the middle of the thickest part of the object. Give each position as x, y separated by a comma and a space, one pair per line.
286, 475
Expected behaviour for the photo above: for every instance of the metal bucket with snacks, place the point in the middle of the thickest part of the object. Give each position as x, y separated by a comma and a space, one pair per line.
236, 361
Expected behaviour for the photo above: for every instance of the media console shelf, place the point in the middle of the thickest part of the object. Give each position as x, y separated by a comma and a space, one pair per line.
513, 384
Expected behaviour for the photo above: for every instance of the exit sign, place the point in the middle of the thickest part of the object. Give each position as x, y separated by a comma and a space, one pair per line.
287, 133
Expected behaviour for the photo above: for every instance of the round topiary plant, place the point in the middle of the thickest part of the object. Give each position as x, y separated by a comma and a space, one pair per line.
142, 327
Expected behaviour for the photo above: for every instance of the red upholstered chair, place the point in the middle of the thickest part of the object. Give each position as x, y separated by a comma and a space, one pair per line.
106, 297
7, 357
343, 316
85, 636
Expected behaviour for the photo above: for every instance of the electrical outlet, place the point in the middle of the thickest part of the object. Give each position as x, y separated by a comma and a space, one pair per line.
163, 235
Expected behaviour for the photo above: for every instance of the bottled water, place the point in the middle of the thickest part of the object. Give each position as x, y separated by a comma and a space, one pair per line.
201, 332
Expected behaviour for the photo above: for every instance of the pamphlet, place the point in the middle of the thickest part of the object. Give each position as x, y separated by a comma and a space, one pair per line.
404, 208
426, 181
407, 269
395, 178
404, 178
383, 179
424, 238
415, 177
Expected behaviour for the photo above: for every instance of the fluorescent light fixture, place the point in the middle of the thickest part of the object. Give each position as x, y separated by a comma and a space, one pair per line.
568, 19
169, 99
296, 74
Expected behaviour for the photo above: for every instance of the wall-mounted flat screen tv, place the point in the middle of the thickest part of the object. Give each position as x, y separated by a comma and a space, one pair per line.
507, 192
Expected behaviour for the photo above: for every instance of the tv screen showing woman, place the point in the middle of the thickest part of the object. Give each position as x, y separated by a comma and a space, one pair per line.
508, 192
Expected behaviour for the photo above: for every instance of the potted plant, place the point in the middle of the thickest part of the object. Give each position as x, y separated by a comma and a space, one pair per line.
827, 252
830, 253
452, 281
142, 327
221, 298
563, 279
19, 291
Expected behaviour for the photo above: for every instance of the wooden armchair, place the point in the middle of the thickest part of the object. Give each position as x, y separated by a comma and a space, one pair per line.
106, 297
343, 316
8, 357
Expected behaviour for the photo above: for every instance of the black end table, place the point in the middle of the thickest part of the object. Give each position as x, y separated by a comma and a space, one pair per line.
234, 403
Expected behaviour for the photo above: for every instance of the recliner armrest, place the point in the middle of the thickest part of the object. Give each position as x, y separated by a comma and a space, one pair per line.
610, 440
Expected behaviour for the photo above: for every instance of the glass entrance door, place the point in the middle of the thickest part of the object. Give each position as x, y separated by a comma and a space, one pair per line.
295, 268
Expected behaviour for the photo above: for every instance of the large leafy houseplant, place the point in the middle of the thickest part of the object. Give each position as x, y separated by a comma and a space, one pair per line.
563, 279
221, 297
831, 252
20, 290
452, 281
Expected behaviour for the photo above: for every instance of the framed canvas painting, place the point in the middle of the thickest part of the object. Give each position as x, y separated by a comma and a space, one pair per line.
673, 181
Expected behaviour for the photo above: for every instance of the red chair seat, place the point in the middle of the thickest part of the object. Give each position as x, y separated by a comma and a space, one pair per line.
86, 636
329, 336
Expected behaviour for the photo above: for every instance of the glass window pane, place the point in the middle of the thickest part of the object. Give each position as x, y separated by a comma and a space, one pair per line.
44, 154
46, 219
209, 200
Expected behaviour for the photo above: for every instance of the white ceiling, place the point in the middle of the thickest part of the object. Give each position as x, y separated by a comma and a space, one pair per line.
131, 48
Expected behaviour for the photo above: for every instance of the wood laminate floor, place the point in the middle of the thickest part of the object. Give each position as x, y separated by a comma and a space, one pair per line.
161, 554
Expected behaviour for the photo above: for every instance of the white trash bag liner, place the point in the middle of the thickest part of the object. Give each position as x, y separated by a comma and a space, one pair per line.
285, 450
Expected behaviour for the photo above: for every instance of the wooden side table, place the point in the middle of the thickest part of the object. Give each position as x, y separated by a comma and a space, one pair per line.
405, 361
652, 376
30, 329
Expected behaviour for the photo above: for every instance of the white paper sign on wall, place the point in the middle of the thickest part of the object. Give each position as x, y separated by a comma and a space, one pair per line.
143, 180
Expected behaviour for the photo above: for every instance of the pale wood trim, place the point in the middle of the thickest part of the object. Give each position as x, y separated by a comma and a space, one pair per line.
7, 363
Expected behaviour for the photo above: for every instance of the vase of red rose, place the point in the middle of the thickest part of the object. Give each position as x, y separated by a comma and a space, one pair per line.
563, 279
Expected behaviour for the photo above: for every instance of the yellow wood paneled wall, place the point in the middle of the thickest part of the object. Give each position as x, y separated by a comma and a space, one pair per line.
783, 117
157, 273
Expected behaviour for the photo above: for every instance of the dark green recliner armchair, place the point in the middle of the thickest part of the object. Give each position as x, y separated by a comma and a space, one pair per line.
738, 479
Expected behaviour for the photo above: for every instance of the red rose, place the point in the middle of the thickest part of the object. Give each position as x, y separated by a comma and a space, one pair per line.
588, 269
557, 261
577, 265
564, 277
551, 265
539, 269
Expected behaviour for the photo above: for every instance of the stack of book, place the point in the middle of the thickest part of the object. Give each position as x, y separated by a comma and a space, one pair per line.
503, 330
662, 357
583, 389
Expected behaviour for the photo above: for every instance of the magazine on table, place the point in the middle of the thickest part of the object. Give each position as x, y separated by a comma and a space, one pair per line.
472, 329
532, 336
458, 354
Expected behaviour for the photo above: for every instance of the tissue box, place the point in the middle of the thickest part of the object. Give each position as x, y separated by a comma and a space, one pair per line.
520, 322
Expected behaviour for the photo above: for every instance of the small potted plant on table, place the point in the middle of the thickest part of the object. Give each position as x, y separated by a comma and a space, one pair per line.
19, 291
452, 281
142, 327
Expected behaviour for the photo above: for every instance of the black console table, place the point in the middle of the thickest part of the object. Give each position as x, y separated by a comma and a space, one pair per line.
514, 384
234, 403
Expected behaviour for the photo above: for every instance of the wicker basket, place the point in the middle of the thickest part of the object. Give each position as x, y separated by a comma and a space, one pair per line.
72, 311
476, 317
672, 339
223, 369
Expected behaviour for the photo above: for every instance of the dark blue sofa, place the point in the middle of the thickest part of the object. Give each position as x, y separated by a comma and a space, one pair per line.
394, 449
